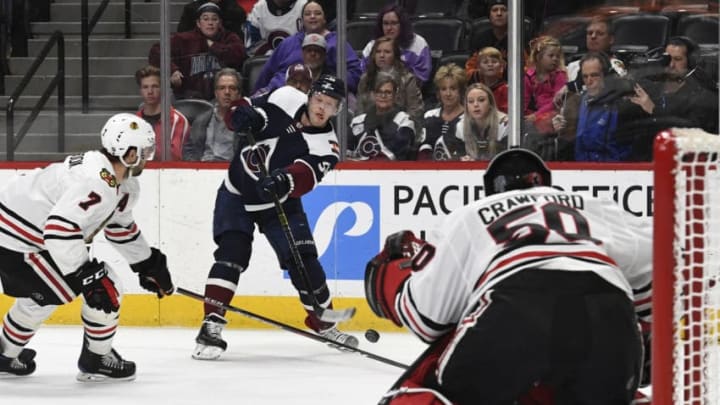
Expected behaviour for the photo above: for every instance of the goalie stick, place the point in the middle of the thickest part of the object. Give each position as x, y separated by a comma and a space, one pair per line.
288, 328
324, 314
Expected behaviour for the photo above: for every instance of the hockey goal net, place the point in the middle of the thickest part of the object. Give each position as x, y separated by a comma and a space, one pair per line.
686, 261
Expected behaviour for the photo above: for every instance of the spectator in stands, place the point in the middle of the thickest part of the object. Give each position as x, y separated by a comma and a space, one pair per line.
393, 21
148, 80
491, 72
679, 96
196, 55
385, 57
314, 57
297, 75
544, 76
210, 139
290, 50
232, 15
495, 37
270, 22
441, 136
600, 115
599, 37
484, 127
384, 132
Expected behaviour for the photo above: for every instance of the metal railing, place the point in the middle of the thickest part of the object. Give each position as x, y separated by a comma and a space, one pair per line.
86, 28
4, 28
58, 82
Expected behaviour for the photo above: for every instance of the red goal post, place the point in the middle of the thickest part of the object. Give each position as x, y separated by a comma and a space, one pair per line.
686, 274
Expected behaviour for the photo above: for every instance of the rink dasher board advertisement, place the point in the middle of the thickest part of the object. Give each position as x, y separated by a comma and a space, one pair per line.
350, 213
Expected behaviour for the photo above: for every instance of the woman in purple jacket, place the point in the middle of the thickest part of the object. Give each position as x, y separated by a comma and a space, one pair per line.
393, 21
289, 51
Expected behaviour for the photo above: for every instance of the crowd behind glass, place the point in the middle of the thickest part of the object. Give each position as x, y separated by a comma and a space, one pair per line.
587, 94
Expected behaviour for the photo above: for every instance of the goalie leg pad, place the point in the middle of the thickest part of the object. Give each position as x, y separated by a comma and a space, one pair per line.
418, 385
412, 395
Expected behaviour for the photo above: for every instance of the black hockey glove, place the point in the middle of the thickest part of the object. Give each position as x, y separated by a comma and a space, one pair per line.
97, 288
279, 183
247, 118
153, 274
387, 272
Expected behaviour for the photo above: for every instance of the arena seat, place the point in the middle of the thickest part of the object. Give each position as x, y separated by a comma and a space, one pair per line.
431, 8
702, 28
359, 33
369, 9
647, 31
568, 29
192, 108
250, 71
442, 34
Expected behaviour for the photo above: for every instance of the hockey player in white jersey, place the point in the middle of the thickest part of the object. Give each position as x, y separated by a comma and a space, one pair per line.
47, 219
530, 286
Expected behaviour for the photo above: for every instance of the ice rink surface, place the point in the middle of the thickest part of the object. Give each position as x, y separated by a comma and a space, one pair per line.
260, 367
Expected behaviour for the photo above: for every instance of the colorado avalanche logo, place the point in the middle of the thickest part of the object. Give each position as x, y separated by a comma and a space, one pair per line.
272, 42
253, 156
369, 146
439, 153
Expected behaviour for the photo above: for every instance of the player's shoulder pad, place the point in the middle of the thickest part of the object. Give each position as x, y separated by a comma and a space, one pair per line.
402, 119
96, 167
288, 99
434, 112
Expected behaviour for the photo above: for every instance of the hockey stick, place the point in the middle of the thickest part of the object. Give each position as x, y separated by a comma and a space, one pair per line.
287, 327
324, 314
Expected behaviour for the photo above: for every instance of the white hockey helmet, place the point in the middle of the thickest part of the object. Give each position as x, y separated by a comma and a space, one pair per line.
124, 131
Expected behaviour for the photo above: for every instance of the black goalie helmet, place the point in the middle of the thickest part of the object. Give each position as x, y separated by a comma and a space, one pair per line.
516, 169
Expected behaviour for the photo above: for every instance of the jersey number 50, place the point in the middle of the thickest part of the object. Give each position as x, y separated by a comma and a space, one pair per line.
515, 228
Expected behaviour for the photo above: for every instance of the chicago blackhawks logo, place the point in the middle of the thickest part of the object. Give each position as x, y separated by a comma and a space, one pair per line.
108, 177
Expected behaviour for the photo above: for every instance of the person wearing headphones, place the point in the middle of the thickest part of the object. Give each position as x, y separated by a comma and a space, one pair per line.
678, 97
600, 115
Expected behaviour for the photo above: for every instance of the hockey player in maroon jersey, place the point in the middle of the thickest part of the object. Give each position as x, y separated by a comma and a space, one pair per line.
299, 147
531, 286
47, 218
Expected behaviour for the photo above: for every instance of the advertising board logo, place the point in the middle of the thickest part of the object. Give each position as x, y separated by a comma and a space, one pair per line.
345, 222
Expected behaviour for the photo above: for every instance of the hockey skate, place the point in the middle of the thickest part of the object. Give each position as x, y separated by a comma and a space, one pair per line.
104, 367
210, 344
343, 338
331, 332
18, 366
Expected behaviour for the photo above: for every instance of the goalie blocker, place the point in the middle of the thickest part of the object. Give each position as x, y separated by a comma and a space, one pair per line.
534, 306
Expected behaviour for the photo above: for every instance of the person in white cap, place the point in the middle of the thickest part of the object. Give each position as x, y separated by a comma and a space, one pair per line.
314, 55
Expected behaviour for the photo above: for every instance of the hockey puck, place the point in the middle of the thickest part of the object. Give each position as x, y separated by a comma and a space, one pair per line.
372, 335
